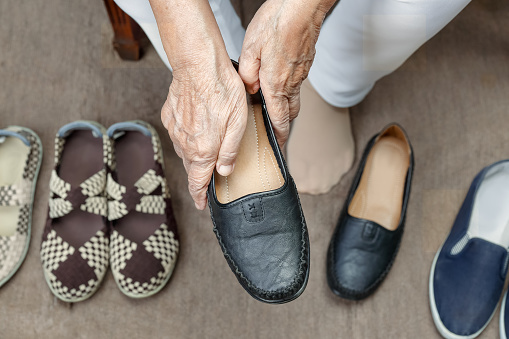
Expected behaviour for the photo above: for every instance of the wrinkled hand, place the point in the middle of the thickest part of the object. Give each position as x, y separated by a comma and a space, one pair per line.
278, 50
206, 115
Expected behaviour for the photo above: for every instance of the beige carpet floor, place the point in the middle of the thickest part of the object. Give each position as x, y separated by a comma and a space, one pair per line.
57, 65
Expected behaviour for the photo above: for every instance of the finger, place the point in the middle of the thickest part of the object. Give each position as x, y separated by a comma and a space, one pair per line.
186, 165
294, 106
231, 142
166, 112
172, 132
249, 68
165, 116
178, 150
278, 109
199, 178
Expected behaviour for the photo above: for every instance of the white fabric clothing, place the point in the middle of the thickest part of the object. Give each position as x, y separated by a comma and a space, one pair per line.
360, 42
363, 40
226, 18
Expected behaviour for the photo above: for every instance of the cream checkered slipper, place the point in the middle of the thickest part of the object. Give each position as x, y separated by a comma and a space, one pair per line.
75, 241
20, 160
144, 241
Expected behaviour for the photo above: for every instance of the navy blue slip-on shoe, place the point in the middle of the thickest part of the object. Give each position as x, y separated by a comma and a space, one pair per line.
504, 321
468, 272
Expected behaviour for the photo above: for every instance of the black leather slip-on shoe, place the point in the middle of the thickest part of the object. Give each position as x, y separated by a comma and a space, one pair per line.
263, 235
362, 251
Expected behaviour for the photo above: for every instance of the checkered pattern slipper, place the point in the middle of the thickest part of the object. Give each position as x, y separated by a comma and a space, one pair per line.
144, 241
75, 241
20, 160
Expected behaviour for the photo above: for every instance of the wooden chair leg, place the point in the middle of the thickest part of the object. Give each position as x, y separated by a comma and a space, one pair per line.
128, 34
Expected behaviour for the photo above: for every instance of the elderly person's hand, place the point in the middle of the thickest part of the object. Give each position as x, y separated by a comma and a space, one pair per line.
206, 114
278, 50
206, 109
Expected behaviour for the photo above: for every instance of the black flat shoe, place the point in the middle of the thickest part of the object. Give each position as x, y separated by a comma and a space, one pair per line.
257, 215
369, 231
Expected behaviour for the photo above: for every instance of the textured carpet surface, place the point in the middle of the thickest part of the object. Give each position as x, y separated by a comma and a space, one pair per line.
57, 65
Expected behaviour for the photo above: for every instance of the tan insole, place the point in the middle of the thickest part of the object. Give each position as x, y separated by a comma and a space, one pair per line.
256, 168
13, 157
379, 196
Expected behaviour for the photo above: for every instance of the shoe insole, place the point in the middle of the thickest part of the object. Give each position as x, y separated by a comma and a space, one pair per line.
13, 157
81, 158
256, 168
134, 156
379, 196
490, 214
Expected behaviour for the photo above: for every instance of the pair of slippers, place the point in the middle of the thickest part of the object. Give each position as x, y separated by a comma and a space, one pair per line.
109, 206
20, 161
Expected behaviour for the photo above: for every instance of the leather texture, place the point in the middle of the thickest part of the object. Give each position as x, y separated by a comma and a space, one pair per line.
361, 252
467, 286
264, 237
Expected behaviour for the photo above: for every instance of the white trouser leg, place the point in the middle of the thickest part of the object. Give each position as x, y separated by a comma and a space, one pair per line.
226, 17
363, 40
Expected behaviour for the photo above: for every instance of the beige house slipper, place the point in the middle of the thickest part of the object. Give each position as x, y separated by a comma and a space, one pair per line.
20, 160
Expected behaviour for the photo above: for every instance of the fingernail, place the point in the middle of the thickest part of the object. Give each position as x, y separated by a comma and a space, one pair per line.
225, 170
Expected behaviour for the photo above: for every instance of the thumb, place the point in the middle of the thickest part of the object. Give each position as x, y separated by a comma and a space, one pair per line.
279, 109
249, 69
231, 144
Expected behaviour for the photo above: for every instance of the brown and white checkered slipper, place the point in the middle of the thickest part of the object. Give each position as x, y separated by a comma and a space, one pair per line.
75, 241
144, 240
20, 160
